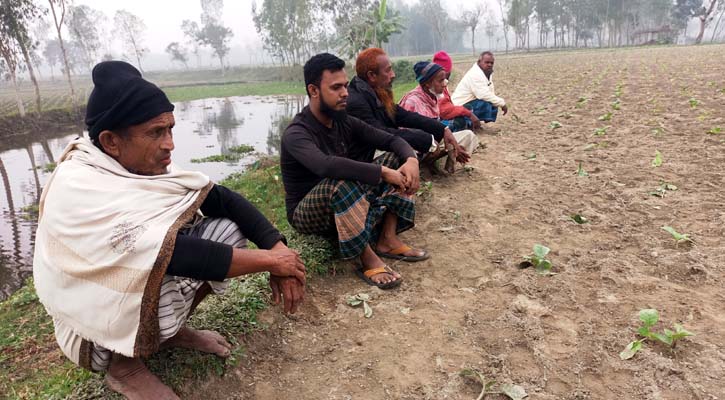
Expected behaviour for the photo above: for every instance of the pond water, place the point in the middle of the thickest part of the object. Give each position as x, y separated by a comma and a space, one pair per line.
203, 128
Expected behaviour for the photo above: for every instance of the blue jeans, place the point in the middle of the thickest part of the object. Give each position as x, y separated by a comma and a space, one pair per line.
484, 110
458, 123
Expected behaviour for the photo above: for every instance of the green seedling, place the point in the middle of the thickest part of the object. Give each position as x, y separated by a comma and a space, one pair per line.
425, 189
657, 131
662, 189
554, 125
580, 170
581, 102
539, 261
513, 392
601, 131
531, 156
565, 115
657, 161
715, 131
617, 105
618, 92
649, 318
579, 219
363, 299
517, 119
704, 116
679, 237
693, 102
605, 117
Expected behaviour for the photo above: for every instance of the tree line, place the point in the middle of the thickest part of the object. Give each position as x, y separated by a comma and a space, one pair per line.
74, 38
293, 30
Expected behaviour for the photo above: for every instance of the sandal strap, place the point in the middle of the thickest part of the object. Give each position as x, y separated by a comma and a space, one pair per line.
379, 270
400, 250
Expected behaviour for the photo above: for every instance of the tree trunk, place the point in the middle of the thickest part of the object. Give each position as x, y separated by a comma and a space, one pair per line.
703, 21
221, 63
31, 71
473, 40
58, 27
21, 107
717, 25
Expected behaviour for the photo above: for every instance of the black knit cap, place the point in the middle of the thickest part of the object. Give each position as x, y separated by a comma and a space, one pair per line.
122, 98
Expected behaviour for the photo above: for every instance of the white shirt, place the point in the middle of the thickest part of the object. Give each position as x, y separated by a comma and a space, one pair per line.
475, 85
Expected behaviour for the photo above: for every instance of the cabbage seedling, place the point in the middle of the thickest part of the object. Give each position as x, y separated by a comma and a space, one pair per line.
513, 392
617, 105
605, 117
662, 189
714, 131
693, 102
554, 125
539, 261
658, 159
679, 237
580, 170
649, 318
601, 131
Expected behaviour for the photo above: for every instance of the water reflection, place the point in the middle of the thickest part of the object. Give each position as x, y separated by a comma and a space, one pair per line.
203, 128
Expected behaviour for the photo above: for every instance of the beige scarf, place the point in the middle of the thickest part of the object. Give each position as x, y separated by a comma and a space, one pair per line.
105, 237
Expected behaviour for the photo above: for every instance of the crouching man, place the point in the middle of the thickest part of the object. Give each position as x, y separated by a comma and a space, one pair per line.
128, 244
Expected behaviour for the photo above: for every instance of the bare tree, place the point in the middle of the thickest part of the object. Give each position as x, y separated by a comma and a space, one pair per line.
471, 19
9, 53
504, 24
58, 9
53, 55
16, 17
178, 53
130, 28
83, 22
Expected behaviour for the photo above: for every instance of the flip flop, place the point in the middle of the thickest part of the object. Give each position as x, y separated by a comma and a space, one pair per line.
397, 254
365, 275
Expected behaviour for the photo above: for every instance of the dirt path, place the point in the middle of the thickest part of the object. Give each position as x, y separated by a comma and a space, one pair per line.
557, 336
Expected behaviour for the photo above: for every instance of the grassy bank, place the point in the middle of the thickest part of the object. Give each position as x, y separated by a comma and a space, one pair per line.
186, 93
32, 366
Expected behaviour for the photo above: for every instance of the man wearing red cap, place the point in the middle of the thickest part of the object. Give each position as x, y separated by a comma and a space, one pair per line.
455, 117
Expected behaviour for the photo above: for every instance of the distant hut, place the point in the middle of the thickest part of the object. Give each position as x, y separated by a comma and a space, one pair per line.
662, 35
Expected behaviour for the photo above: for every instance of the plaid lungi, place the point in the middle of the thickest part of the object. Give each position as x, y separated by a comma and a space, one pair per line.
353, 211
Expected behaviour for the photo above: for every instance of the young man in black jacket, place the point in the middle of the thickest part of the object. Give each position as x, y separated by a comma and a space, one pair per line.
332, 184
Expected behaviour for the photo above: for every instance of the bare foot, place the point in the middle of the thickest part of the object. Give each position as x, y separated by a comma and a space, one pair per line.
206, 341
131, 378
370, 260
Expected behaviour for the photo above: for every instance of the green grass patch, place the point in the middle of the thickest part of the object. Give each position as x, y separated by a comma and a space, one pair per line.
186, 93
262, 186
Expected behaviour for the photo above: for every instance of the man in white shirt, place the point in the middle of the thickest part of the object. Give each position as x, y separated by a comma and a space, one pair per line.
476, 91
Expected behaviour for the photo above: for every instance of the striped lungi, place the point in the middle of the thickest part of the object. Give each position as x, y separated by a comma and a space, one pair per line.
353, 210
177, 295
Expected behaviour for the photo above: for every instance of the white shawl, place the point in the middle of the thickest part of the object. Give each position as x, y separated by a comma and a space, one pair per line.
104, 240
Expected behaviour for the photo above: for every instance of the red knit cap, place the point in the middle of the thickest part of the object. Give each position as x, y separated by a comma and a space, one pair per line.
444, 60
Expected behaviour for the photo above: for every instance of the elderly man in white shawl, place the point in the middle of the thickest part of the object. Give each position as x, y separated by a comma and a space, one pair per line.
128, 244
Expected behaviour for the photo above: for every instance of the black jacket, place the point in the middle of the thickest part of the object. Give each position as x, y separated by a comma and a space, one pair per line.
311, 152
363, 103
